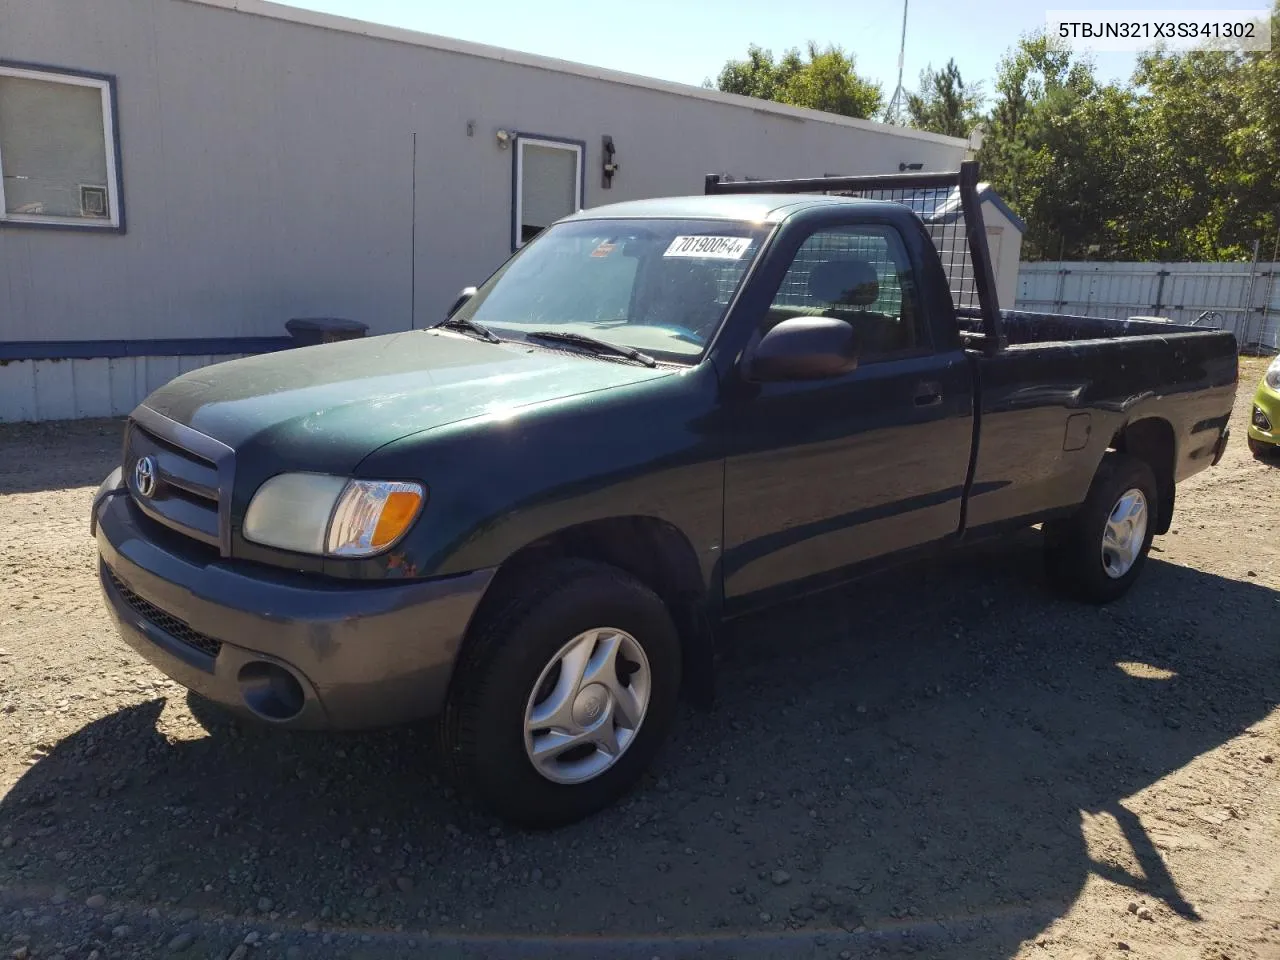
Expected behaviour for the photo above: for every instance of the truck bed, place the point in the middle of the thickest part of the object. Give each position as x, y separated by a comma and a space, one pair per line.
1022, 327
1055, 398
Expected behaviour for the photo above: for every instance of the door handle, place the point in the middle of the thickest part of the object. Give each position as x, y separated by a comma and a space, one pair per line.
928, 394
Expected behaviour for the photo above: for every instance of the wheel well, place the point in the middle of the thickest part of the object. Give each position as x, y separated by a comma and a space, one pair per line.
1152, 440
654, 552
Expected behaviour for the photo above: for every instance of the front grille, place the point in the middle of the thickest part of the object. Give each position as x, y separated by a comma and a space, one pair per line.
188, 474
1260, 419
178, 629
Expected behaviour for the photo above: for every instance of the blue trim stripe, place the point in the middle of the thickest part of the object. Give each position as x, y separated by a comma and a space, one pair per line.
114, 349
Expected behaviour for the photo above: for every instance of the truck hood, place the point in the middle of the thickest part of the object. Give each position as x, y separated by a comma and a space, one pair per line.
328, 407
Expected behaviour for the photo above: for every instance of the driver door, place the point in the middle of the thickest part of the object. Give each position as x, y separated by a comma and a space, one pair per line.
828, 476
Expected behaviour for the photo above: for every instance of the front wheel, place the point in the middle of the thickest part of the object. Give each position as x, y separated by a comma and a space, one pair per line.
1097, 554
1259, 449
563, 695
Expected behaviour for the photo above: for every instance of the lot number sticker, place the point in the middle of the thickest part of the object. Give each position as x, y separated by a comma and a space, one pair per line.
711, 248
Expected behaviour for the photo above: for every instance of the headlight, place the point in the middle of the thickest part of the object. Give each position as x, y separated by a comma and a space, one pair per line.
320, 514
1272, 376
371, 515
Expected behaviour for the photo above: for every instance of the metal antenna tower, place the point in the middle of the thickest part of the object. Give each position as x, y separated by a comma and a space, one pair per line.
893, 111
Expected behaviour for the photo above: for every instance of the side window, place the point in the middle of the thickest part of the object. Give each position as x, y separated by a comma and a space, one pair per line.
860, 274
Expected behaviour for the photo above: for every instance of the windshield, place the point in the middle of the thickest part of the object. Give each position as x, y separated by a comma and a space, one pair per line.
659, 286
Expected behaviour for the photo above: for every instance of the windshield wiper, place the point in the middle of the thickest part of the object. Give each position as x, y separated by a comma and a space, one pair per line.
462, 323
591, 343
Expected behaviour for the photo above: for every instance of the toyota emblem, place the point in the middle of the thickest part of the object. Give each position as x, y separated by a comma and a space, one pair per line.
144, 476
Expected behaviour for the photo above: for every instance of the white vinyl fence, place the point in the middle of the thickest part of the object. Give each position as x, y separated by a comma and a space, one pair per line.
1241, 297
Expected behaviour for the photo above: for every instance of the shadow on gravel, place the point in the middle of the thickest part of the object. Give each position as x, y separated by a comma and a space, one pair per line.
58, 454
903, 766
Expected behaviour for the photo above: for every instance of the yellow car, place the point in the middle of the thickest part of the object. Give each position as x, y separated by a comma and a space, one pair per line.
1264, 419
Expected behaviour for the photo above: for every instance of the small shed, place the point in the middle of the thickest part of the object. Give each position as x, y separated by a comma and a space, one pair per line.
1004, 237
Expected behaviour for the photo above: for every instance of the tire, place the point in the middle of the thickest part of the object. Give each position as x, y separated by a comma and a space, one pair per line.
1259, 449
503, 672
1077, 560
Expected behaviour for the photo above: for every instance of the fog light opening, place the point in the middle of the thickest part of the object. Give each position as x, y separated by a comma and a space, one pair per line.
271, 691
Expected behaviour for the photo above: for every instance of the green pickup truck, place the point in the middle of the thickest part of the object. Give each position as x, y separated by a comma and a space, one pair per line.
532, 519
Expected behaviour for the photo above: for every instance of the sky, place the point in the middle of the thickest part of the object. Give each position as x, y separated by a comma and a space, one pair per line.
687, 41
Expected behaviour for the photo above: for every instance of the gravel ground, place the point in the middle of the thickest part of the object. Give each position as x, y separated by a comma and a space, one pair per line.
946, 761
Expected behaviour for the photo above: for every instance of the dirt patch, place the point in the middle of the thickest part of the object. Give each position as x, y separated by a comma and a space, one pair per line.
946, 761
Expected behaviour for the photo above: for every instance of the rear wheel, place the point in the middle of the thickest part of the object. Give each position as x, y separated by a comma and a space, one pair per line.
563, 695
1097, 554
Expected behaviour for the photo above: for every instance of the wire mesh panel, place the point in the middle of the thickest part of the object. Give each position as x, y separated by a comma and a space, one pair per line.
728, 275
948, 205
826, 245
943, 217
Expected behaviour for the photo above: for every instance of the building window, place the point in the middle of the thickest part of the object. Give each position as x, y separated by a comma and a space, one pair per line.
548, 184
58, 149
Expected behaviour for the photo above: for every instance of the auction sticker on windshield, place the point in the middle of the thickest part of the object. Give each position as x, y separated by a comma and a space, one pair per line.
712, 248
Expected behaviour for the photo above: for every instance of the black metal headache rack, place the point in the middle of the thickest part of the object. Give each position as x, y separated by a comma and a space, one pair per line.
949, 207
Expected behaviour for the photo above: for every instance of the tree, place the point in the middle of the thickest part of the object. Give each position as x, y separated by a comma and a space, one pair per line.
822, 78
1055, 147
758, 75
945, 103
1182, 163
1212, 124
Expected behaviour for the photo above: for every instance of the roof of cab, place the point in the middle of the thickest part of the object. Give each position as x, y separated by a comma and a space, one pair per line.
757, 207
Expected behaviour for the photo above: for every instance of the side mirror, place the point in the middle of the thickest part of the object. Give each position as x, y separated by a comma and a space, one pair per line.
466, 294
803, 348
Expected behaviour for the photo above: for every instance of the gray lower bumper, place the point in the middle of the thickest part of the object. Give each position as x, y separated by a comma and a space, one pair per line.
364, 655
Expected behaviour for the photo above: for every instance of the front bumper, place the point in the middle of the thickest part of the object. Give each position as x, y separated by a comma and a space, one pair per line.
1267, 403
361, 655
